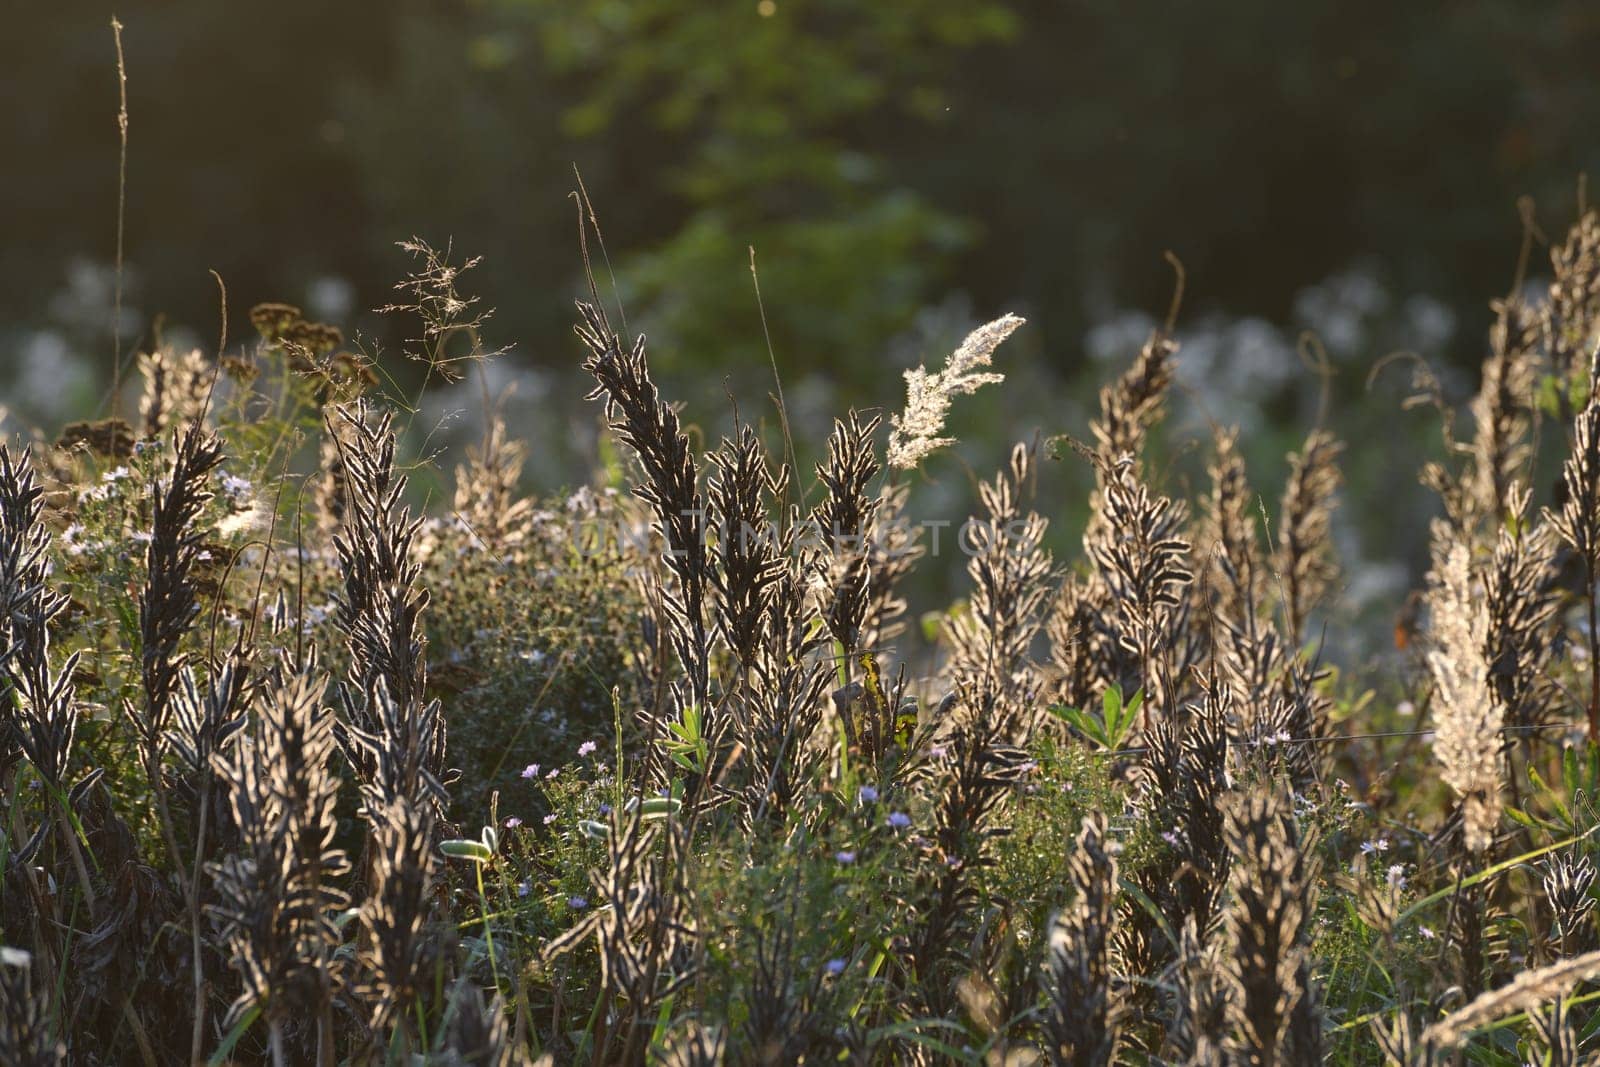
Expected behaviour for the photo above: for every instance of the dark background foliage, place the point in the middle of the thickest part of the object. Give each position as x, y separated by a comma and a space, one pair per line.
1032, 155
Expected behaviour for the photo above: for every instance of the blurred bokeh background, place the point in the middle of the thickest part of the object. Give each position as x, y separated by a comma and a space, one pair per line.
903, 171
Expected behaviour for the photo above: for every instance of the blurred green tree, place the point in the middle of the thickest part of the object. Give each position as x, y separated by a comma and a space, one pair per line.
700, 130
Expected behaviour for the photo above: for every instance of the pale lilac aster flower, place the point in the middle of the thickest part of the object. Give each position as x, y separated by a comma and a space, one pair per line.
531, 771
845, 856
899, 820
577, 903
587, 748
835, 967
513, 822
868, 794
550, 819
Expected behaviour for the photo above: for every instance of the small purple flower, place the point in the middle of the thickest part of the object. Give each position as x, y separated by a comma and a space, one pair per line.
1170, 837
524, 888
549, 819
938, 752
834, 967
899, 820
587, 748
605, 809
868, 794
577, 903
550, 775
531, 771
513, 822
845, 857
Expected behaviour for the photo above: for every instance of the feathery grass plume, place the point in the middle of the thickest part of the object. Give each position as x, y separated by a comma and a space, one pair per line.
395, 950
1572, 314
207, 726
648, 425
1273, 1006
1501, 411
1519, 590
1569, 883
169, 601
1468, 715
1075, 669
1141, 557
486, 490
41, 721
1183, 784
914, 434
432, 292
1524, 992
392, 734
1084, 1010
1010, 571
1198, 1033
207, 722
26, 1030
893, 547
643, 928
1253, 658
748, 564
778, 712
766, 619
843, 519
981, 770
1132, 404
176, 389
1578, 524
389, 743
1228, 542
41, 716
277, 896
1303, 557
